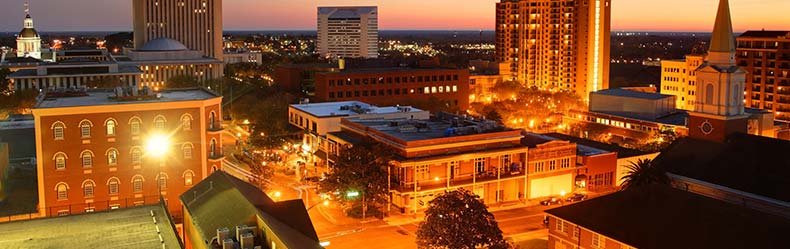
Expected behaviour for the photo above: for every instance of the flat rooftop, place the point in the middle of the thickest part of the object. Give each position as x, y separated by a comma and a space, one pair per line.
438, 126
621, 151
659, 216
533, 139
74, 70
632, 94
102, 97
388, 70
348, 108
122, 228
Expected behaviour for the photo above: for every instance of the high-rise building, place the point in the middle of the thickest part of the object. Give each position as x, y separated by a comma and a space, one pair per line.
348, 32
555, 44
766, 56
679, 78
195, 23
28, 42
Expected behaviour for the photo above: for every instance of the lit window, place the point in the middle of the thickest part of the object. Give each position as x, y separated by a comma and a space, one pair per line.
159, 122
188, 178
598, 241
110, 127
113, 185
60, 161
213, 148
211, 120
112, 157
134, 125
186, 122
62, 190
480, 165
136, 156
85, 128
87, 188
58, 129
87, 159
137, 184
187, 151
162, 181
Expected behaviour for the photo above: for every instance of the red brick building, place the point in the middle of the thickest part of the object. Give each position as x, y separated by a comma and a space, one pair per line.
395, 86
92, 152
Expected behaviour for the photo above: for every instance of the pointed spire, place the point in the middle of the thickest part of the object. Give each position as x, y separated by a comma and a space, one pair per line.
27, 9
723, 39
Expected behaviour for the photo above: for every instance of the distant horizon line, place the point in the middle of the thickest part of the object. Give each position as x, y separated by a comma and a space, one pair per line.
313, 30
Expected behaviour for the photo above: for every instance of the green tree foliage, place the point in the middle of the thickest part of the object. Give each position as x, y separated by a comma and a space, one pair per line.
644, 172
361, 168
117, 41
260, 173
459, 219
266, 112
5, 84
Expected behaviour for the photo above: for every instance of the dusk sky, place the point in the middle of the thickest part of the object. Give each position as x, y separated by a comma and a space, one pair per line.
643, 15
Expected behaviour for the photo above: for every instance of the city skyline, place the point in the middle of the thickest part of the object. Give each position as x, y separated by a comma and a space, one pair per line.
396, 15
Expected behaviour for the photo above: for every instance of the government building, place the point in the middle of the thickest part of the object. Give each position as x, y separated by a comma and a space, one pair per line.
348, 32
555, 45
108, 149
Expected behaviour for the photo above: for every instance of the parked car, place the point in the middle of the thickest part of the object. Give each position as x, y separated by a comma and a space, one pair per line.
576, 197
551, 201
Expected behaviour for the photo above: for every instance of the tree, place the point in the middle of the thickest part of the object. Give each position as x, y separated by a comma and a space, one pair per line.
459, 219
260, 171
644, 172
5, 84
360, 176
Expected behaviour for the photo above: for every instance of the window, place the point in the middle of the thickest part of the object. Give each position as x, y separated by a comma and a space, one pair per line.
87, 159
188, 178
136, 156
455, 169
423, 172
110, 125
213, 148
539, 167
159, 122
187, 149
162, 180
134, 125
85, 128
137, 184
480, 165
552, 165
112, 156
211, 120
598, 241
62, 190
60, 161
58, 129
186, 122
709, 94
87, 188
565, 163
113, 184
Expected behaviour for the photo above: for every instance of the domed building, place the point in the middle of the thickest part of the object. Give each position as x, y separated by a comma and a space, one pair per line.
162, 59
28, 42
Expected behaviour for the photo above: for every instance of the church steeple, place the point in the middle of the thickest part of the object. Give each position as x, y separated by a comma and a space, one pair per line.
722, 42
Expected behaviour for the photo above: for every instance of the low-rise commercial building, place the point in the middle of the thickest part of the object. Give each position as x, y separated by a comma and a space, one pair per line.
162, 59
97, 150
679, 79
233, 56
225, 212
76, 73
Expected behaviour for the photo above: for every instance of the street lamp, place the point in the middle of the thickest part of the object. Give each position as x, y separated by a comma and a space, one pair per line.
157, 146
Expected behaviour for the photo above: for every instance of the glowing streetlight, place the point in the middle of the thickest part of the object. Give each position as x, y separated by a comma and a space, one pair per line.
277, 194
157, 145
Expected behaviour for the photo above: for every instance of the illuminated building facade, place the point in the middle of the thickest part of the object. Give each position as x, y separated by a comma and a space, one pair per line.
194, 23
679, 79
76, 72
162, 59
28, 42
766, 56
348, 32
395, 86
551, 44
98, 150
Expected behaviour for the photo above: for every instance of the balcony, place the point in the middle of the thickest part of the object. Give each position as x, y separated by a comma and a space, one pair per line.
216, 156
215, 127
434, 184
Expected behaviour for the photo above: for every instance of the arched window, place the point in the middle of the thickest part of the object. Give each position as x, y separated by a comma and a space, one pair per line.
87, 188
113, 184
709, 94
134, 125
213, 147
87, 159
112, 156
60, 160
188, 177
137, 156
85, 128
137, 184
159, 122
62, 190
162, 181
736, 96
213, 168
211, 120
187, 149
186, 122
110, 125
59, 130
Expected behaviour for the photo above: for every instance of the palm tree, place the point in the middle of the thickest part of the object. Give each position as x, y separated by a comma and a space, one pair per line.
644, 172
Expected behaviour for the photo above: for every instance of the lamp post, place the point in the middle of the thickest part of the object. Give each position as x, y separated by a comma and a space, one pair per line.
158, 146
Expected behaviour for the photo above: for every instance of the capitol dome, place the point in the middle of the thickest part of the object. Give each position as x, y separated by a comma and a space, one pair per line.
28, 33
163, 44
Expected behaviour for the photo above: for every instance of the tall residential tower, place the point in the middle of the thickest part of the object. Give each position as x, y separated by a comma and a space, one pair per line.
555, 44
348, 32
195, 23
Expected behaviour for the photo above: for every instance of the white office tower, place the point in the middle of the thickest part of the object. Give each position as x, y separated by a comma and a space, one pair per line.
348, 32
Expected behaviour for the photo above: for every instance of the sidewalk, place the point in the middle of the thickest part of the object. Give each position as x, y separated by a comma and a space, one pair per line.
396, 219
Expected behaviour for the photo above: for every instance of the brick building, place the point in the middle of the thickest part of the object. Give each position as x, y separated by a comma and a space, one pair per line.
92, 148
766, 56
395, 86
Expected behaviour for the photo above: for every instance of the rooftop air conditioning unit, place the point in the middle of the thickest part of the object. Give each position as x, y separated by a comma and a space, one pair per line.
243, 229
223, 233
228, 244
247, 241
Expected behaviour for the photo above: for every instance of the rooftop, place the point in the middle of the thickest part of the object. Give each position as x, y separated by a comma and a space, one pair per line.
765, 34
744, 162
534, 139
349, 108
441, 125
76, 67
659, 216
102, 97
376, 70
163, 44
677, 118
621, 151
632, 94
122, 228
222, 200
